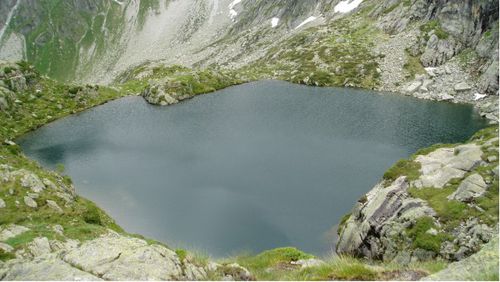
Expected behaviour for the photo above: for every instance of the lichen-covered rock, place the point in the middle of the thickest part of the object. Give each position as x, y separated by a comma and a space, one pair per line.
165, 92
376, 226
472, 187
109, 257
444, 164
10, 231
234, 272
480, 266
115, 257
30, 180
39, 246
49, 267
30, 202
53, 205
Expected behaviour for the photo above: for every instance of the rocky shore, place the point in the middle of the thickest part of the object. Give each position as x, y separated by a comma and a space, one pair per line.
440, 204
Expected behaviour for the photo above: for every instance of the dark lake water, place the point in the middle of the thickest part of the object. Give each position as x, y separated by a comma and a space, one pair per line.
252, 167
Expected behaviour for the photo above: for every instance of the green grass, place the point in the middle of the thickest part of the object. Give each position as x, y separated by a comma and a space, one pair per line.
405, 167
450, 212
435, 26
423, 240
6, 256
177, 80
413, 66
337, 56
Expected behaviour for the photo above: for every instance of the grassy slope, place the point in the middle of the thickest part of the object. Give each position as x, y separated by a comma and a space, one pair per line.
82, 220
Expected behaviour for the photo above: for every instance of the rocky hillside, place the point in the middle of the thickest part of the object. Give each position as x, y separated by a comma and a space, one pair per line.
440, 50
443, 202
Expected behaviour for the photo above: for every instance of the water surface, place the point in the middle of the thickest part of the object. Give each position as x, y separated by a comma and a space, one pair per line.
252, 167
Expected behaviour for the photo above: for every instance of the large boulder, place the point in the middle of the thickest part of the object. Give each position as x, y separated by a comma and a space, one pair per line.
472, 187
377, 224
444, 164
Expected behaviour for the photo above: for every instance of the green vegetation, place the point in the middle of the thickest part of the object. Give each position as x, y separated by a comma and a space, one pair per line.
45, 100
31, 105
55, 44
181, 253
413, 66
409, 168
336, 55
278, 264
424, 240
177, 79
435, 27
6, 256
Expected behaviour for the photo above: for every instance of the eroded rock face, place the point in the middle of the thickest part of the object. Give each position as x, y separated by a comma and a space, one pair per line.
376, 226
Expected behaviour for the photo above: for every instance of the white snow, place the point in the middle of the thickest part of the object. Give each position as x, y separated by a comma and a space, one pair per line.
478, 96
274, 22
308, 20
346, 6
232, 11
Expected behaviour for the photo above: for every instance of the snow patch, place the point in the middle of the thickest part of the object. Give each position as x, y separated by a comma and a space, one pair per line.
274, 22
346, 6
232, 11
308, 20
478, 96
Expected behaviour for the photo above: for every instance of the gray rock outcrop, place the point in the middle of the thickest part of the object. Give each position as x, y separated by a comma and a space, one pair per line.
383, 223
475, 267
109, 257
472, 187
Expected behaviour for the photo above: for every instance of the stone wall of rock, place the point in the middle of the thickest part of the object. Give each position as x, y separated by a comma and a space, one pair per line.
455, 41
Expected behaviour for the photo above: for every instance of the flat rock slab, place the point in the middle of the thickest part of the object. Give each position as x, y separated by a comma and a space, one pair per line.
115, 257
444, 164
46, 268
11, 231
472, 187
